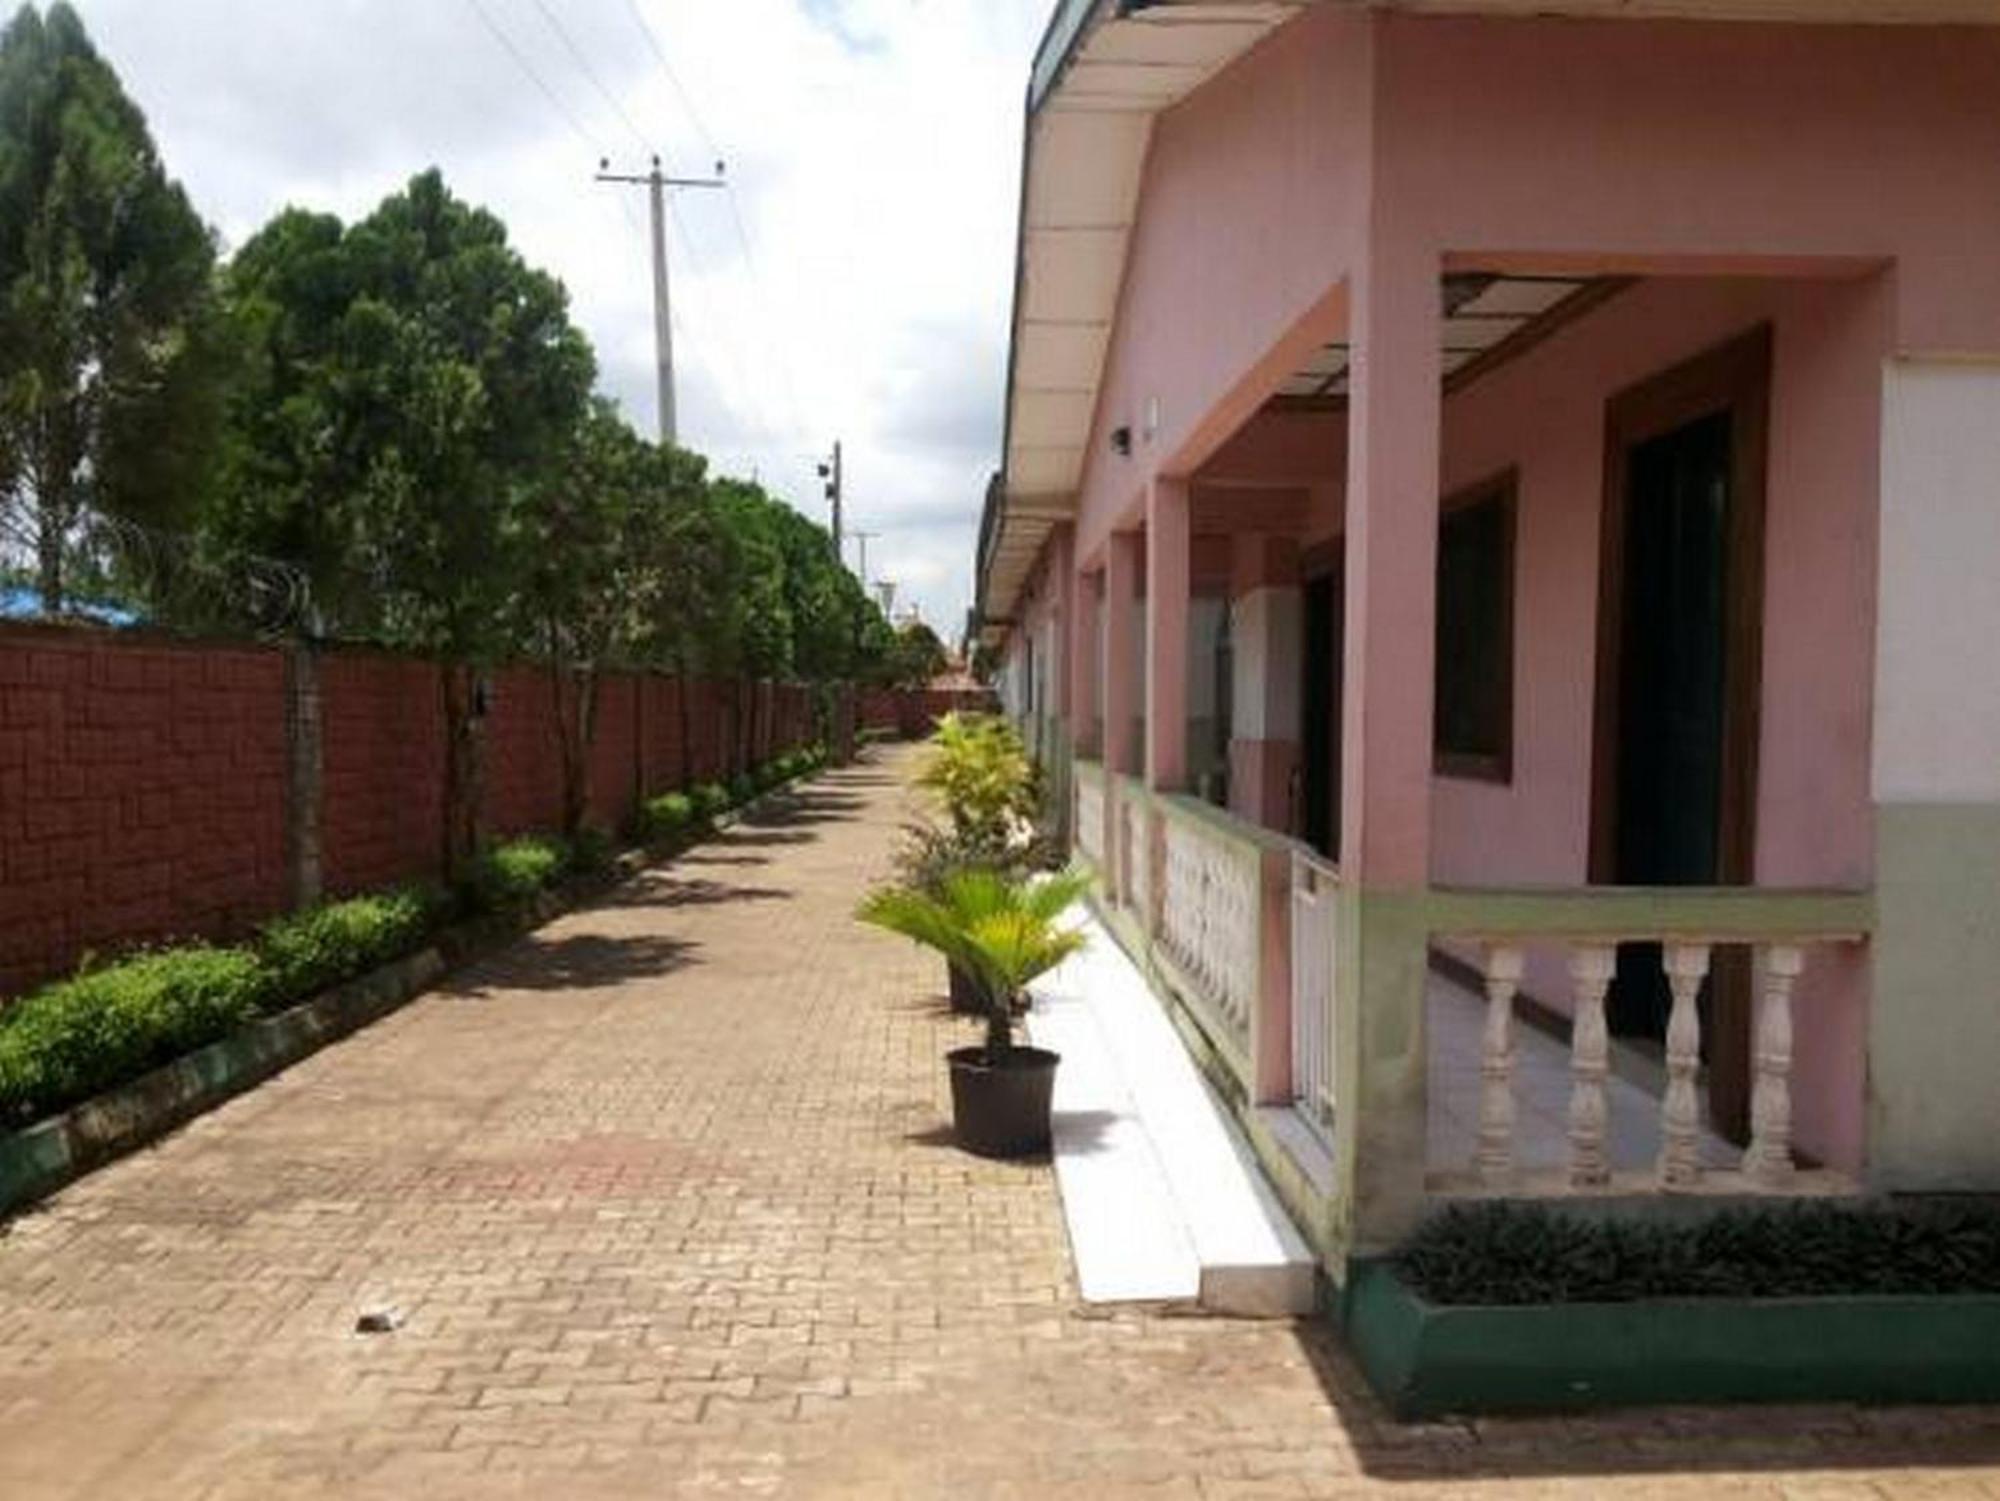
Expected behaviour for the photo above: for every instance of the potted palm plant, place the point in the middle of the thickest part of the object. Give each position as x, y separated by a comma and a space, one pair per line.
979, 769
1003, 932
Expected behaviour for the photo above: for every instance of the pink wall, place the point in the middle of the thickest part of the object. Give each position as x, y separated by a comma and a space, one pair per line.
1543, 415
1617, 145
1857, 161
1251, 204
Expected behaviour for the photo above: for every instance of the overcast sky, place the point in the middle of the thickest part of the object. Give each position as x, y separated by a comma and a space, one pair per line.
873, 148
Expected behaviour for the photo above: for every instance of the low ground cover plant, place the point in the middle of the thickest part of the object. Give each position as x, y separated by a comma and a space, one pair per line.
510, 874
307, 951
1510, 1254
66, 1042
668, 814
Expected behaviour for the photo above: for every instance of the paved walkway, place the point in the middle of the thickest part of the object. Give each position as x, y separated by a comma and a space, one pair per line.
667, 1198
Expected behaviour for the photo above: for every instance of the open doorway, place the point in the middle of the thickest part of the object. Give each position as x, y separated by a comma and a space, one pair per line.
1323, 660
1679, 646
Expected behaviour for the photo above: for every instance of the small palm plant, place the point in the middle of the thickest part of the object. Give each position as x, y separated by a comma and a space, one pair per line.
978, 765
1000, 930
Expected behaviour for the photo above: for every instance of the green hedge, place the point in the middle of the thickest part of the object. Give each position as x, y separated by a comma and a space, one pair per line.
76, 1038
1508, 1254
322, 946
68, 1041
509, 875
667, 815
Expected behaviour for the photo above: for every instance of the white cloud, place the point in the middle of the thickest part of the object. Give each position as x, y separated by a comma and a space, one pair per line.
873, 154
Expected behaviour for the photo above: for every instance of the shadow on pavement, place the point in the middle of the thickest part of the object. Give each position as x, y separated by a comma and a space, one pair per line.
584, 961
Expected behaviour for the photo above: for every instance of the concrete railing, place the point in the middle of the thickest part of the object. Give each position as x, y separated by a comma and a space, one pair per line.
1690, 924
1088, 779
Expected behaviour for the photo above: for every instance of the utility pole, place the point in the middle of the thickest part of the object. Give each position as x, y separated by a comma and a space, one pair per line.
863, 538
829, 470
656, 184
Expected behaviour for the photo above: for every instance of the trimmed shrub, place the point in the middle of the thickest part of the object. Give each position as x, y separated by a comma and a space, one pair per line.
669, 814
1516, 1254
308, 951
590, 853
509, 875
741, 789
68, 1041
709, 799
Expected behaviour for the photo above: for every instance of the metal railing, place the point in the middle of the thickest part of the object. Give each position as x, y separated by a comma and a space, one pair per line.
1314, 895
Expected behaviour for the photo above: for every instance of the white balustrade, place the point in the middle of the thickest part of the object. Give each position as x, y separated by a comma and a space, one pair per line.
1209, 915
1090, 815
1496, 1164
1768, 1162
1314, 884
1503, 968
1590, 970
1686, 965
1135, 854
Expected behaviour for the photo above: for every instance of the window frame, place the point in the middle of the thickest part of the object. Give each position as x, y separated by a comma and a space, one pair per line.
1493, 767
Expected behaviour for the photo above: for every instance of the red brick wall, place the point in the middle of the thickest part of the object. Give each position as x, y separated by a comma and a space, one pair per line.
382, 769
142, 790
144, 780
912, 713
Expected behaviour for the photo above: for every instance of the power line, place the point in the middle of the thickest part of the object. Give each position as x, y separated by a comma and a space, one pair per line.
520, 61
775, 349
660, 55
596, 82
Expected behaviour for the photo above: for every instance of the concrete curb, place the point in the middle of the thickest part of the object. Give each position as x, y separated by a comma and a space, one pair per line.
39, 1159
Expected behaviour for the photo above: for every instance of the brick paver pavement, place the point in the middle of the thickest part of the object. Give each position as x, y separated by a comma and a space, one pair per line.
667, 1199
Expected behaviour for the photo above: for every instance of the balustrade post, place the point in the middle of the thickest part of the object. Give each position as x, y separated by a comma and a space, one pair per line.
1591, 967
1768, 1162
1680, 1115
1504, 965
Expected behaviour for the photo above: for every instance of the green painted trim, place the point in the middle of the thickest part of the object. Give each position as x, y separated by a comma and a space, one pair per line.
1721, 912
1424, 1358
1254, 841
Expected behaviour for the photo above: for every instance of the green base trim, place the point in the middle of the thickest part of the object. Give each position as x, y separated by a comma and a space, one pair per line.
1424, 1358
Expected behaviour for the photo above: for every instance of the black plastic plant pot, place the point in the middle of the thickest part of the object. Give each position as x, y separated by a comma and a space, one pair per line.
966, 999
1002, 1109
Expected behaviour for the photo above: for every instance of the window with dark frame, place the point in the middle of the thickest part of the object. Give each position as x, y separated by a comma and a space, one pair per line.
1473, 724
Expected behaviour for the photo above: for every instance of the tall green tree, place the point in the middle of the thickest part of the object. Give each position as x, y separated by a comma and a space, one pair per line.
917, 657
409, 385
108, 354
602, 533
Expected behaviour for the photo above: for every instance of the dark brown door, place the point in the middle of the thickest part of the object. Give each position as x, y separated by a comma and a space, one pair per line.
1319, 742
1681, 587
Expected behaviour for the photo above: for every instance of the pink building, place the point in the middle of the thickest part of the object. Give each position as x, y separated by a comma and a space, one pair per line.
1500, 536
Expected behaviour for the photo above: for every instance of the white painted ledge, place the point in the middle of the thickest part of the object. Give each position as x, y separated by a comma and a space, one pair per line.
1163, 1197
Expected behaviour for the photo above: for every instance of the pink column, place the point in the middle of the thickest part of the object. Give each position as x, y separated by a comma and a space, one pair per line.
1086, 623
1062, 649
1267, 640
1123, 560
1392, 511
1166, 634
1121, 618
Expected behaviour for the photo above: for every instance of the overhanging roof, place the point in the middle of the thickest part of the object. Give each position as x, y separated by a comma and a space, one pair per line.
1104, 70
